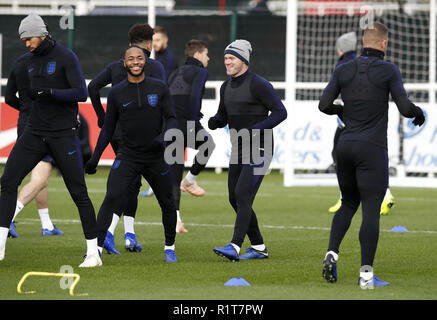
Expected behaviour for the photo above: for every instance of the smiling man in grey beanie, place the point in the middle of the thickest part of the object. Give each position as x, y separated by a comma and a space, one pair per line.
246, 99
241, 49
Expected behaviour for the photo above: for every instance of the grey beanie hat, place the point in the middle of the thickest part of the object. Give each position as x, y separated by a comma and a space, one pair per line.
241, 49
32, 26
347, 42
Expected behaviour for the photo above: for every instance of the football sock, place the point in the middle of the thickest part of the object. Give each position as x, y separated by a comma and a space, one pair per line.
169, 247
129, 224
190, 177
259, 247
46, 223
237, 248
18, 208
366, 272
3, 236
114, 223
91, 247
388, 193
334, 255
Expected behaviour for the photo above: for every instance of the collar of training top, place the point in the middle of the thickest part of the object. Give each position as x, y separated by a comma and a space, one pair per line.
348, 54
241, 77
193, 61
45, 46
370, 52
147, 52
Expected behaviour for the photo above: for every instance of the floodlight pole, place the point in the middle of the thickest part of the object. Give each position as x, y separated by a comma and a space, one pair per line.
432, 52
1, 74
290, 81
152, 13
234, 26
151, 20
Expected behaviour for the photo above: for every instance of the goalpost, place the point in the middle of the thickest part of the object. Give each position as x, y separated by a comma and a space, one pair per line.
312, 29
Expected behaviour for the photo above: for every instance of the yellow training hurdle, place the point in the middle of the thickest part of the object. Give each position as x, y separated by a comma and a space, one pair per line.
50, 274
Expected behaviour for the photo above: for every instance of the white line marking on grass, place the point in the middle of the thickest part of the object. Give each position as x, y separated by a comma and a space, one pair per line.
73, 221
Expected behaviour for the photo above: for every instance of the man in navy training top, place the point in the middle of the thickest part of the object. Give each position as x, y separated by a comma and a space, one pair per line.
162, 52
164, 55
143, 109
56, 86
187, 85
36, 188
245, 102
346, 46
362, 160
139, 35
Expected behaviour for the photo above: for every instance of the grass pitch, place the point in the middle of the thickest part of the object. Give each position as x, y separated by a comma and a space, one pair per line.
295, 225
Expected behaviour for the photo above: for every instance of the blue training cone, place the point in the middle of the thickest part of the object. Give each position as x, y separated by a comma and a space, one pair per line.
379, 283
237, 282
399, 229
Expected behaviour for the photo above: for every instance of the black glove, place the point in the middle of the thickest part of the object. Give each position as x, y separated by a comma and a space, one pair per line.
91, 166
158, 142
213, 123
420, 117
101, 122
35, 93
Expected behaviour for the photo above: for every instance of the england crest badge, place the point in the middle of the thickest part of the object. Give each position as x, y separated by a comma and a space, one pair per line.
51, 67
152, 99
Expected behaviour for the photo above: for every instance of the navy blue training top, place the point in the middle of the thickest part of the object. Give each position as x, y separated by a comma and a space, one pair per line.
187, 85
144, 112
54, 66
114, 73
251, 110
245, 103
346, 57
18, 81
366, 117
168, 60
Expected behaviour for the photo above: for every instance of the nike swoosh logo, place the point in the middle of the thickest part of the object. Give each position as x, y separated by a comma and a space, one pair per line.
30, 70
126, 104
231, 47
165, 172
72, 152
39, 92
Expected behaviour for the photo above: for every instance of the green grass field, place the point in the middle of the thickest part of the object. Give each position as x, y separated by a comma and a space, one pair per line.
295, 225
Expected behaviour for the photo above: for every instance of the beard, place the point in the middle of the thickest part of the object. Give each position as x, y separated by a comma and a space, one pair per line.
135, 75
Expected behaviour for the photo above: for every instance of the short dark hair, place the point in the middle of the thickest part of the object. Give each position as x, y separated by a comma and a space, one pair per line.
377, 32
134, 46
193, 46
140, 32
159, 29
